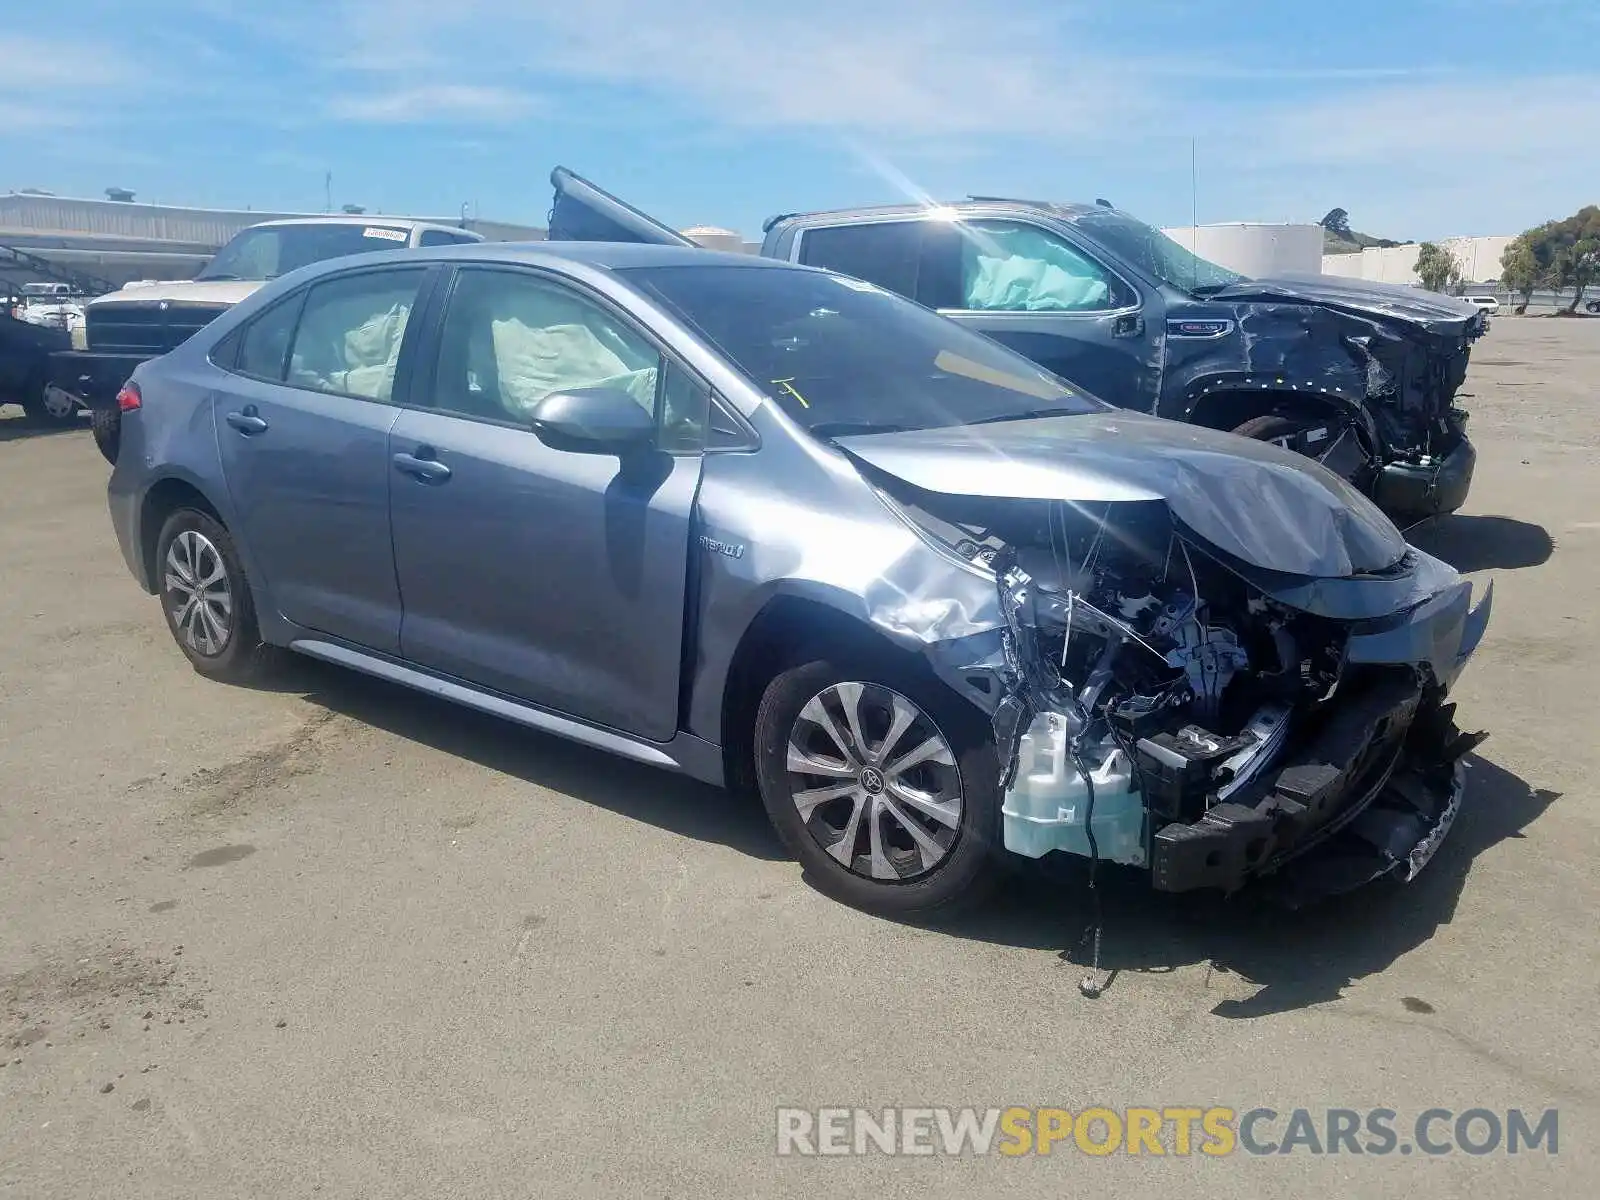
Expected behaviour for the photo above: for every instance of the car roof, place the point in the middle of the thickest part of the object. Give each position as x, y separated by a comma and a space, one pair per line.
361, 219
609, 256
987, 205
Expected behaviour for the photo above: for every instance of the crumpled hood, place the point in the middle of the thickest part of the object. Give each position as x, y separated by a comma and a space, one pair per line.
183, 291
1260, 503
1438, 314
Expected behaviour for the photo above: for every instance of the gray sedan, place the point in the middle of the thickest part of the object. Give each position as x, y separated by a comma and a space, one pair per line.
774, 527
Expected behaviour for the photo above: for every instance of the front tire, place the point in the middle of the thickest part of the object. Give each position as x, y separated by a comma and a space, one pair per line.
49, 406
1341, 449
107, 426
884, 784
206, 599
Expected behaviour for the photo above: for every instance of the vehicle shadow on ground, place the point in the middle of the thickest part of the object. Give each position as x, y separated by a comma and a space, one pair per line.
1294, 959
671, 802
19, 428
1479, 543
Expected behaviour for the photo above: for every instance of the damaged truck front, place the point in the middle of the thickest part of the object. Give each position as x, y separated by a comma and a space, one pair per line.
1359, 376
1200, 664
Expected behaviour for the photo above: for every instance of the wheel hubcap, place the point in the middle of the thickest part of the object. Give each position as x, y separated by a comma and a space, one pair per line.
874, 781
59, 404
198, 594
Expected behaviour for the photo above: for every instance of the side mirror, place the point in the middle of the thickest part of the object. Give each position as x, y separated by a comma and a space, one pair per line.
597, 420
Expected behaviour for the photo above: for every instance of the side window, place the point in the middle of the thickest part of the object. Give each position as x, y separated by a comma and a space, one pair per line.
511, 338
350, 332
264, 346
684, 412
886, 253
442, 237
1011, 267
725, 432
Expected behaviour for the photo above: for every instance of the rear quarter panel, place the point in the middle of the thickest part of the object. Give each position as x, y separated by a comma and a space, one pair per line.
172, 436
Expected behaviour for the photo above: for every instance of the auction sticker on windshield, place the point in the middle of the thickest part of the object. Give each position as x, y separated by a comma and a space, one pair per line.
388, 235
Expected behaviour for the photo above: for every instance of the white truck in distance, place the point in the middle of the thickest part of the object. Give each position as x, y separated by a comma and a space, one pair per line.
146, 319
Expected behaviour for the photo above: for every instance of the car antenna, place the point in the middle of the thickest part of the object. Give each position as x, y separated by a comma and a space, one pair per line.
1194, 219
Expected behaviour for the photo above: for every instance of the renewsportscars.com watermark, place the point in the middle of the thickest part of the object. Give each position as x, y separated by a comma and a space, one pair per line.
1210, 1131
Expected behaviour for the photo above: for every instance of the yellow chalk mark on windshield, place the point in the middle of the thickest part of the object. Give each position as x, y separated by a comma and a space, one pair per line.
787, 385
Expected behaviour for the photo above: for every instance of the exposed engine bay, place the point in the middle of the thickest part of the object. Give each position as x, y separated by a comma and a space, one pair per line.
1163, 711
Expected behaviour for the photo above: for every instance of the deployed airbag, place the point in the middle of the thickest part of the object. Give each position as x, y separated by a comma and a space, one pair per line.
1020, 269
533, 362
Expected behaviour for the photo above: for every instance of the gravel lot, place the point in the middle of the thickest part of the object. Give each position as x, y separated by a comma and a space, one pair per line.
335, 938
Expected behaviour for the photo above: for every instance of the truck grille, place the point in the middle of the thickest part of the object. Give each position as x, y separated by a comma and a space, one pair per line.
146, 327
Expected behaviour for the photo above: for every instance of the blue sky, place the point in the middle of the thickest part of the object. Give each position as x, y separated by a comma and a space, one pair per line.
1423, 118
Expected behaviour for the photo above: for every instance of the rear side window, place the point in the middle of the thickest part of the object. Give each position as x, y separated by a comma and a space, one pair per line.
886, 253
350, 331
443, 237
264, 348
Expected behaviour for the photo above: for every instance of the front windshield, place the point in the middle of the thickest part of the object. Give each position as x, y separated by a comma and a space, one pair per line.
1154, 252
841, 356
268, 251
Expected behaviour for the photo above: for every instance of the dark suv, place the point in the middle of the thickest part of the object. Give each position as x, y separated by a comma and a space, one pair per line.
1361, 376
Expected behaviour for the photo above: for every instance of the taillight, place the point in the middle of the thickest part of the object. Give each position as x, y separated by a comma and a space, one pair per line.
129, 398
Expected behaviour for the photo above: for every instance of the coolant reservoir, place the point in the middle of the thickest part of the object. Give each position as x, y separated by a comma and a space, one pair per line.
1048, 803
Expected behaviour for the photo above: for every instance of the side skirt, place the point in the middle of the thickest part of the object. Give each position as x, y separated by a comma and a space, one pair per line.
685, 753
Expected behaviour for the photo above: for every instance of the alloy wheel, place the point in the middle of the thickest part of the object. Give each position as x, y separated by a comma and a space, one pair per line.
875, 782
198, 594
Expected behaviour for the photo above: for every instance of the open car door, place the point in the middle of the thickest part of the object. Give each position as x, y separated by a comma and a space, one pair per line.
582, 212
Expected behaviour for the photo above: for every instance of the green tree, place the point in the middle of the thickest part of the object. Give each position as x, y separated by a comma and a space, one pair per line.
1337, 222
1575, 255
1437, 267
1520, 269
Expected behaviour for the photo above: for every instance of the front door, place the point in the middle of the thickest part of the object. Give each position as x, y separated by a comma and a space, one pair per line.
303, 424
1032, 290
552, 576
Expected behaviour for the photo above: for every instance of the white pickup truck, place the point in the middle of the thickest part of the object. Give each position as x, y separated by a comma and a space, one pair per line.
145, 320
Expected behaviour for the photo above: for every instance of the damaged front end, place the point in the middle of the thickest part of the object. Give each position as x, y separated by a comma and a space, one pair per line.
1165, 705
1399, 355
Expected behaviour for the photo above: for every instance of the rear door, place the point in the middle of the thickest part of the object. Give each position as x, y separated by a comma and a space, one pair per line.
552, 576
303, 425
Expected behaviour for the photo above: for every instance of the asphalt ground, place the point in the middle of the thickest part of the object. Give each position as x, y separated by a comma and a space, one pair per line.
334, 938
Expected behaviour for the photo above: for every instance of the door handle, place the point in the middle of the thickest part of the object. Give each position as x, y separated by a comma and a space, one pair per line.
427, 470
247, 422
1127, 326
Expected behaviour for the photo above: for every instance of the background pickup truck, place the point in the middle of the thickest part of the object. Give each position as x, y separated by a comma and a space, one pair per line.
144, 321
1360, 376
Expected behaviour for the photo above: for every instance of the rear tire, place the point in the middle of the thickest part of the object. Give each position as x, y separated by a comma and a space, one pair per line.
107, 426
943, 865
206, 598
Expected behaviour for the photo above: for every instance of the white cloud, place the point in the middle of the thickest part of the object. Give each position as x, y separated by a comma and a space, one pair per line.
434, 103
42, 81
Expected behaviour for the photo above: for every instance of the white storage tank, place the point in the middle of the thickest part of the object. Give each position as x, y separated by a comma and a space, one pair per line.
715, 238
1255, 248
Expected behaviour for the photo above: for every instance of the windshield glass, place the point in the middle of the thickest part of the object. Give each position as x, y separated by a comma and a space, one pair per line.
841, 356
266, 252
1152, 251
